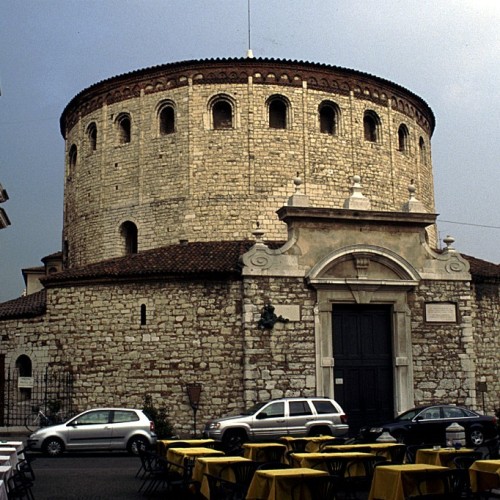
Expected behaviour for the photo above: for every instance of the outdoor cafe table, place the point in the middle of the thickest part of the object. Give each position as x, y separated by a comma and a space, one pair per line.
277, 484
3, 490
484, 475
177, 455
163, 444
251, 450
440, 456
380, 449
314, 460
12, 452
397, 482
215, 466
5, 472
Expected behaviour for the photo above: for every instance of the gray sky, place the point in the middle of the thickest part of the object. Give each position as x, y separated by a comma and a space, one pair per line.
445, 51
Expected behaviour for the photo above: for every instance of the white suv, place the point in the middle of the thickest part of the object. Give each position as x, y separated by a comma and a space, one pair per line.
280, 417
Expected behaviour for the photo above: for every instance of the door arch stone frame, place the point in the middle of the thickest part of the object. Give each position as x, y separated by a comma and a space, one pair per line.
364, 290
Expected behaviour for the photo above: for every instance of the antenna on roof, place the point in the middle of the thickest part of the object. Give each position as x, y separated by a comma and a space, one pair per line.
249, 51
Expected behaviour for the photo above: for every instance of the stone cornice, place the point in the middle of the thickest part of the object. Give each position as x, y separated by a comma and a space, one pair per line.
332, 79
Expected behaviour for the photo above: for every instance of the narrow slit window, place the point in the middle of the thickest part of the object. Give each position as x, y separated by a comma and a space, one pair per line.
143, 314
92, 136
72, 157
423, 151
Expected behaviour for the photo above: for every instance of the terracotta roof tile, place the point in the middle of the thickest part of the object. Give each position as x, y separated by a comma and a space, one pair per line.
482, 270
24, 307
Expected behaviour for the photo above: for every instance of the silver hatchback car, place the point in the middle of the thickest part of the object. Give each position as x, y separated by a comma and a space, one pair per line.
97, 429
312, 416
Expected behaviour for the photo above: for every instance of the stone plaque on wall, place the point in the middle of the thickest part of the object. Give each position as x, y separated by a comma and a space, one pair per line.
442, 312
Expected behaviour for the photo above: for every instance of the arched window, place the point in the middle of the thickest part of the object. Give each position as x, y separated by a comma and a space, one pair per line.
329, 118
222, 114
124, 129
371, 126
72, 158
403, 138
143, 314
24, 367
167, 120
278, 112
422, 151
129, 235
92, 136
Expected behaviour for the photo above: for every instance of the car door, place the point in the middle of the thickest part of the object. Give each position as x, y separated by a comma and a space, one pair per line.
123, 425
270, 421
429, 426
90, 430
299, 416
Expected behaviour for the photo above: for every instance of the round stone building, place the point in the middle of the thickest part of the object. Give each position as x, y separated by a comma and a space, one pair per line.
201, 150
253, 228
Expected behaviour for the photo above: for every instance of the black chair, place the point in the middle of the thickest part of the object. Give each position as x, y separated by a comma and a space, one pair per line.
319, 488
492, 446
397, 453
150, 469
243, 473
444, 484
24, 468
19, 488
331, 442
271, 454
219, 488
335, 466
359, 484
411, 451
274, 466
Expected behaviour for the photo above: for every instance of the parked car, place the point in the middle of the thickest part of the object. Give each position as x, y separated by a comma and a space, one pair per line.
280, 417
427, 424
97, 429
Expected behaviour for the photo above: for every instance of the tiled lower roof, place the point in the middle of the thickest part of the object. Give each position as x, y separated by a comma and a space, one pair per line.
196, 258
24, 307
483, 270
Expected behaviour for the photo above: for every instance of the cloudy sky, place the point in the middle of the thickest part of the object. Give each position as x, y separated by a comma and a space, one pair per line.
445, 51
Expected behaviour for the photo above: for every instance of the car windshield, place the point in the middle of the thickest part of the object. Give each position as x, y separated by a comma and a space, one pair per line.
255, 408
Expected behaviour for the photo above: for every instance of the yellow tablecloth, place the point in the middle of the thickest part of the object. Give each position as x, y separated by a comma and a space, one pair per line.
163, 444
312, 446
484, 475
251, 450
278, 484
314, 460
177, 455
443, 456
213, 466
396, 482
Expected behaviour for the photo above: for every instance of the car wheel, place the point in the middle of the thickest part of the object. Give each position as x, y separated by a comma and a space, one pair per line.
53, 447
234, 439
137, 443
476, 437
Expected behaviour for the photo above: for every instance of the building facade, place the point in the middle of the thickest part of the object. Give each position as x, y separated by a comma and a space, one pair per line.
263, 228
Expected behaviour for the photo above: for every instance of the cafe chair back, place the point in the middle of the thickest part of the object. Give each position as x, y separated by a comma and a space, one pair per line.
319, 488
411, 451
220, 489
397, 453
271, 454
19, 488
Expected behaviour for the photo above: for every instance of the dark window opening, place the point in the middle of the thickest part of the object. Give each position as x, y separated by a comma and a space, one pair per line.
167, 120
403, 138
92, 134
124, 128
222, 114
143, 314
328, 118
370, 126
278, 114
25, 369
73, 155
129, 233
423, 151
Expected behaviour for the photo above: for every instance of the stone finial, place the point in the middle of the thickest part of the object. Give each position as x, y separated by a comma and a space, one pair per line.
258, 234
448, 241
357, 201
298, 199
413, 205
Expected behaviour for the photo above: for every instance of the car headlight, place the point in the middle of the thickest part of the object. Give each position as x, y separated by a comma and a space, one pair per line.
376, 430
214, 425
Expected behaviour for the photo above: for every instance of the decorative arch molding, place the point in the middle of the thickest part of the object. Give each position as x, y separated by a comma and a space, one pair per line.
362, 288
400, 271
